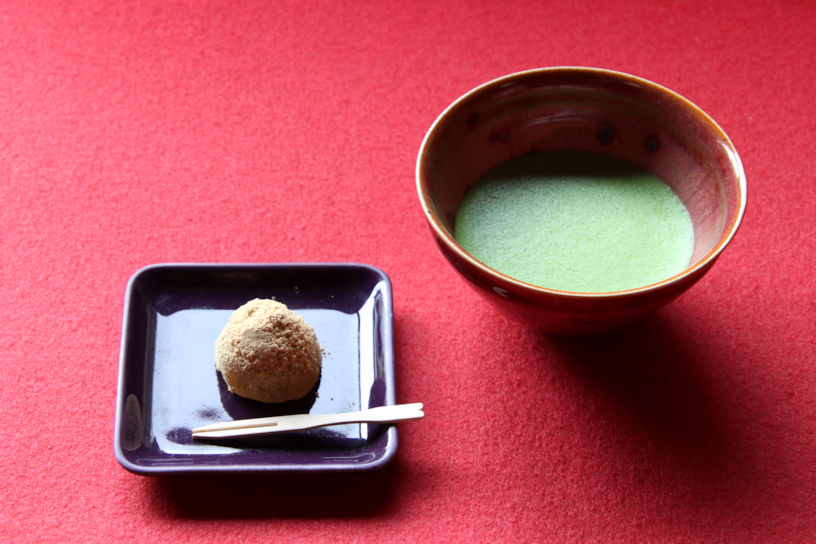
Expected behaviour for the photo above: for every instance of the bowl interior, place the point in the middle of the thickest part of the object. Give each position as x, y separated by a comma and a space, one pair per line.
586, 110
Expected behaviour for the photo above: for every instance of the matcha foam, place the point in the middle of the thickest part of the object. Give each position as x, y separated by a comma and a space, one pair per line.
576, 221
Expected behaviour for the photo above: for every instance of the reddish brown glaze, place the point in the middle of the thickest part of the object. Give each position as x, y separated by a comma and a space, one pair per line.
583, 109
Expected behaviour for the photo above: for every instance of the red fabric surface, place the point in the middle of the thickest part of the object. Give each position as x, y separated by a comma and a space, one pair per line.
144, 132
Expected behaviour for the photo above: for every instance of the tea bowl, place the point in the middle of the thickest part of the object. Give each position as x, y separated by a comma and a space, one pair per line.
592, 110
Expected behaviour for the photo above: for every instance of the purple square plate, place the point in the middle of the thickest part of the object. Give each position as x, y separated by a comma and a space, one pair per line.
168, 384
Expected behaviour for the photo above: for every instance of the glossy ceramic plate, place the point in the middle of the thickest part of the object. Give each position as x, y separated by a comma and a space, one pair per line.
168, 384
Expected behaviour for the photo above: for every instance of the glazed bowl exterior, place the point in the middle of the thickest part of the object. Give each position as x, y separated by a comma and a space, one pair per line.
581, 109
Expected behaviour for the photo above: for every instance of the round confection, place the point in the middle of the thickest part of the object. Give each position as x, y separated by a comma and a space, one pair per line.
268, 353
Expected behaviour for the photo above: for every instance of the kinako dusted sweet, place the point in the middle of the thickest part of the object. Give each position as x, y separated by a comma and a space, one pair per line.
268, 353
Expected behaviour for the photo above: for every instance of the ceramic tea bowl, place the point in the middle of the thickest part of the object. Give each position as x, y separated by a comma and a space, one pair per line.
581, 109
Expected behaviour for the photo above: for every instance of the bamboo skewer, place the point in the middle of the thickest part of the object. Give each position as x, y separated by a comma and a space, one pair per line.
300, 422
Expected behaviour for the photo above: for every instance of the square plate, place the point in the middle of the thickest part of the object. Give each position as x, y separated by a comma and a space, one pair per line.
168, 384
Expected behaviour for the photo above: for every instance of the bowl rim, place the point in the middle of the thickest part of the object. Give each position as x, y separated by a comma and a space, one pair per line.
450, 242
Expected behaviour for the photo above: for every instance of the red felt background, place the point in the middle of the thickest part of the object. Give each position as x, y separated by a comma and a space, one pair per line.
140, 132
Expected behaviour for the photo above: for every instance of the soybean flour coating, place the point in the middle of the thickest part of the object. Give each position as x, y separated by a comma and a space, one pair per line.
267, 352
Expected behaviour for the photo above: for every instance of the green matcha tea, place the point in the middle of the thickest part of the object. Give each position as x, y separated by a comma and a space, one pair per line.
576, 221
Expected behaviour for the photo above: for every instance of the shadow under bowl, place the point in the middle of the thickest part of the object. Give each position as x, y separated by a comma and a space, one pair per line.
581, 109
